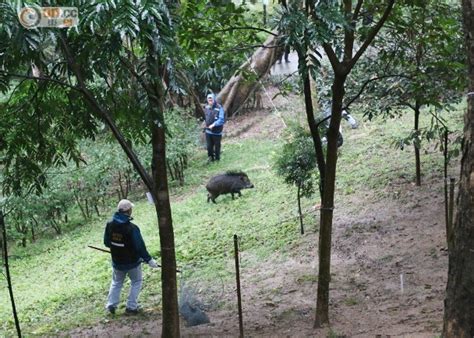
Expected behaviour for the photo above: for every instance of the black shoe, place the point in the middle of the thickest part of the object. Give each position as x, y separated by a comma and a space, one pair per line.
131, 311
210, 159
111, 309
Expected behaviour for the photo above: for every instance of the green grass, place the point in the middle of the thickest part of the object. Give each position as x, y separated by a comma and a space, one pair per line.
60, 283
368, 158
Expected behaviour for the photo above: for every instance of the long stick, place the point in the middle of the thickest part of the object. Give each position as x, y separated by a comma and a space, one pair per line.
108, 251
7, 269
100, 249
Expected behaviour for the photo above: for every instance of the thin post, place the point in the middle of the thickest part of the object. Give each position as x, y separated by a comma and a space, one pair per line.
264, 14
7, 270
237, 277
451, 212
265, 4
299, 209
446, 198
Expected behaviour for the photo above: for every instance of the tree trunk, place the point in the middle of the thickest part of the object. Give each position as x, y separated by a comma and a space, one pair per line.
238, 89
327, 207
416, 144
459, 302
313, 127
157, 185
97, 208
86, 207
33, 235
78, 201
7, 271
168, 259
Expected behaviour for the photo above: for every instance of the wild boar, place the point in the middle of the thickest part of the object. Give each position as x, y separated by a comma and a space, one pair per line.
229, 183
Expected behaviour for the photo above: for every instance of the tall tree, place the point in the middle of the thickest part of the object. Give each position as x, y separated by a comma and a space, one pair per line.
415, 62
341, 67
4, 247
114, 69
341, 29
459, 302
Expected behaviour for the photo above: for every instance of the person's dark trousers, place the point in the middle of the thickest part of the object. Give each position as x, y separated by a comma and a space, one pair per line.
214, 146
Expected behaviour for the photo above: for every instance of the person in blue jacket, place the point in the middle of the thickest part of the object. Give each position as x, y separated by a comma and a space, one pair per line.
214, 119
128, 252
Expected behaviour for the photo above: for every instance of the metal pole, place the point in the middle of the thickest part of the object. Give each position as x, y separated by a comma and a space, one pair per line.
237, 277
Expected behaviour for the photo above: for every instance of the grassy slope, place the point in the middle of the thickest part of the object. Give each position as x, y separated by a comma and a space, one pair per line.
60, 284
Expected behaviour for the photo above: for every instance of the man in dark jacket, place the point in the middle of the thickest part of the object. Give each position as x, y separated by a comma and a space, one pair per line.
215, 119
128, 252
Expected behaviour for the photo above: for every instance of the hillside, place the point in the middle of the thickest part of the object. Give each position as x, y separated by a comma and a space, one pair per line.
385, 229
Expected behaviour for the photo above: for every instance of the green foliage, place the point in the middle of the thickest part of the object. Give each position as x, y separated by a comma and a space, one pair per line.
103, 175
286, 84
301, 34
182, 132
44, 120
365, 168
417, 59
40, 127
297, 161
33, 215
215, 37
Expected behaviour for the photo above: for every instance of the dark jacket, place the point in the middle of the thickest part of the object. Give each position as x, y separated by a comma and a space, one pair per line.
214, 114
125, 242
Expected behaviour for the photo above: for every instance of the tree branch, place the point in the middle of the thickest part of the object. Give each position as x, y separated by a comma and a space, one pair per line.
357, 10
285, 78
147, 180
408, 104
134, 73
440, 121
348, 31
366, 83
256, 46
331, 56
40, 78
14, 90
372, 34
240, 28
